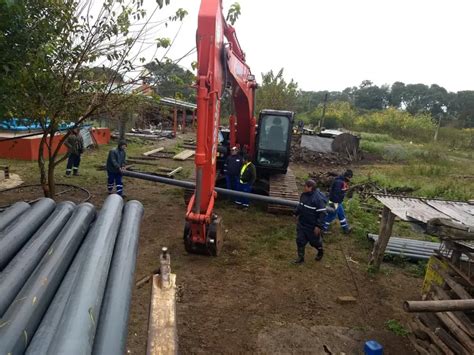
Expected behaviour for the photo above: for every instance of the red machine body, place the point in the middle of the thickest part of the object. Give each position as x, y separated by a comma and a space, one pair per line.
220, 65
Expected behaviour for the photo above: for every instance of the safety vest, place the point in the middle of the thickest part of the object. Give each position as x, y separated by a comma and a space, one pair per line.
242, 171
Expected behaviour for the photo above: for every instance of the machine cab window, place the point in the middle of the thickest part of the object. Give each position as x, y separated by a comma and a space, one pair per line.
273, 140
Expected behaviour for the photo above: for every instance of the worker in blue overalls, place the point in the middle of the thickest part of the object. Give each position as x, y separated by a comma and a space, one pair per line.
311, 212
115, 167
248, 175
338, 190
232, 167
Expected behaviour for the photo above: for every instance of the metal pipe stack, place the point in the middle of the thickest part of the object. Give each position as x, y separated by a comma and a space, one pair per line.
66, 273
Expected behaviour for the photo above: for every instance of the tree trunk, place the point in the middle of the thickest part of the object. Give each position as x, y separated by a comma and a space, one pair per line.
51, 179
42, 166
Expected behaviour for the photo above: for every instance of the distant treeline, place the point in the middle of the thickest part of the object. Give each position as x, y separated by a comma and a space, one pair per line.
454, 109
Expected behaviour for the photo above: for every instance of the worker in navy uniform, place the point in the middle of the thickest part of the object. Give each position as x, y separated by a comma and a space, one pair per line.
115, 167
337, 192
248, 175
232, 167
310, 212
75, 148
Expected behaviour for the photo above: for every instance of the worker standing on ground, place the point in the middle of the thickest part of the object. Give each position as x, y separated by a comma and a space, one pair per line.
310, 212
248, 175
75, 147
338, 190
232, 167
115, 166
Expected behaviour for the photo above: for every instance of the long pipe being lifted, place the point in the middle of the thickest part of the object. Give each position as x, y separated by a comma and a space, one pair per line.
225, 192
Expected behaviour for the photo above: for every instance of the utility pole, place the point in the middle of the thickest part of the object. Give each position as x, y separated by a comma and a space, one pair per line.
321, 122
437, 128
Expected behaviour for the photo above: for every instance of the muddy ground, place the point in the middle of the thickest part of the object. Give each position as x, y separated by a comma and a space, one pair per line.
251, 299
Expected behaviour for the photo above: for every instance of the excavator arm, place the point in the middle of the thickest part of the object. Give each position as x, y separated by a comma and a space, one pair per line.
219, 66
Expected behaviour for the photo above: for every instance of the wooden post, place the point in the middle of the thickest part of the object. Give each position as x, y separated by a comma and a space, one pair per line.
385, 233
184, 121
438, 305
175, 121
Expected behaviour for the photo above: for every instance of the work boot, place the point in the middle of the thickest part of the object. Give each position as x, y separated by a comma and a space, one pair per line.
75, 173
319, 254
300, 258
347, 230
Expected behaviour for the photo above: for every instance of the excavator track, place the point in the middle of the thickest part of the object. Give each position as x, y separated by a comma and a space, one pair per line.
283, 186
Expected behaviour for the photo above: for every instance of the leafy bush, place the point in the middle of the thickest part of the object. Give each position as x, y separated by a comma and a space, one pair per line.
398, 124
338, 114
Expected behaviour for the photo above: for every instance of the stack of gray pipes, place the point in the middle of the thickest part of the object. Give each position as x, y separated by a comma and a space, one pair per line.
66, 276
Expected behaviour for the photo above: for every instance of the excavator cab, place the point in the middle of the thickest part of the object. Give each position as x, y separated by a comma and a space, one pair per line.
273, 145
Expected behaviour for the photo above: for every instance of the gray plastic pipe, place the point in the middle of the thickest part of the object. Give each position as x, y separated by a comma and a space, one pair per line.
11, 213
18, 233
225, 192
111, 336
48, 327
14, 276
22, 318
78, 323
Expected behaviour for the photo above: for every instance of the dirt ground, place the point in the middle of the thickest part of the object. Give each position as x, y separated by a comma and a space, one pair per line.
251, 299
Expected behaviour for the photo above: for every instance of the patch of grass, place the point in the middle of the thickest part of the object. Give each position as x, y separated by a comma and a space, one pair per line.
270, 238
440, 179
418, 269
375, 137
395, 327
361, 220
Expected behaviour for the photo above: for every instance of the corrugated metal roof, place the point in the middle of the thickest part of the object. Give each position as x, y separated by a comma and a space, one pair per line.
422, 210
178, 103
460, 211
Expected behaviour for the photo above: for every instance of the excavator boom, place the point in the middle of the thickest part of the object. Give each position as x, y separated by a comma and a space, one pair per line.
221, 64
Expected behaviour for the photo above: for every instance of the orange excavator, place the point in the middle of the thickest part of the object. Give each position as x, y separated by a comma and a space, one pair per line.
221, 66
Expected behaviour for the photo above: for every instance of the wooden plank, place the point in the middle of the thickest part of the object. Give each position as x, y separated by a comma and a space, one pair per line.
185, 154
419, 346
434, 338
461, 273
157, 150
459, 318
175, 171
450, 341
457, 288
162, 329
458, 333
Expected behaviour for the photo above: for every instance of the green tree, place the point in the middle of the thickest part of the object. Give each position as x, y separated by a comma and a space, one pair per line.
415, 98
463, 108
275, 93
339, 114
233, 13
170, 80
371, 97
396, 94
52, 45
